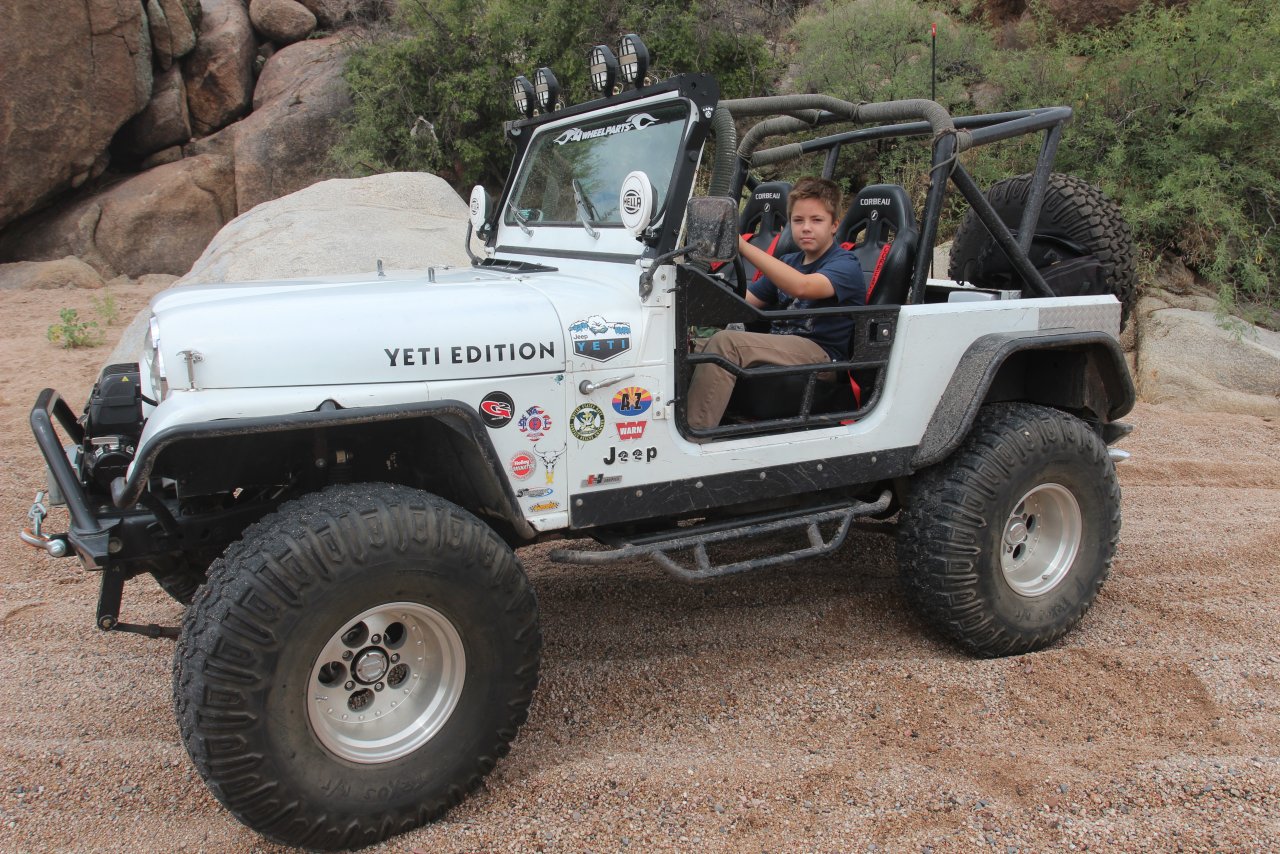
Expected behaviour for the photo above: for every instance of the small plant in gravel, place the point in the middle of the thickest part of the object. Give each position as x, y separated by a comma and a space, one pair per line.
106, 307
71, 332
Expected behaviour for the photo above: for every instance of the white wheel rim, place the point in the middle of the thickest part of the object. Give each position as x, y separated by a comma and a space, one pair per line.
1041, 539
386, 682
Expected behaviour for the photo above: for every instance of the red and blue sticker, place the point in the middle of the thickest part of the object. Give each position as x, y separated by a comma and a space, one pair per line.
534, 423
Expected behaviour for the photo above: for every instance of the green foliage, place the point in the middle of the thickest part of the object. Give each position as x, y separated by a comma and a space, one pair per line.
1178, 117
72, 332
878, 50
106, 307
448, 73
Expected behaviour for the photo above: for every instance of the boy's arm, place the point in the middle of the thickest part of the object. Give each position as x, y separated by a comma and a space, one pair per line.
787, 278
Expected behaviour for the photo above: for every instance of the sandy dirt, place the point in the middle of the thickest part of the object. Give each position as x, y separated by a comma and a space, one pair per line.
799, 709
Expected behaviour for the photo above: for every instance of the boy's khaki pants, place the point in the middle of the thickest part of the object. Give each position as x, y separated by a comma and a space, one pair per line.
712, 385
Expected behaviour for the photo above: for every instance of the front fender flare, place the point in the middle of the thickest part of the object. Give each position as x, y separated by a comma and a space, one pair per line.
125, 492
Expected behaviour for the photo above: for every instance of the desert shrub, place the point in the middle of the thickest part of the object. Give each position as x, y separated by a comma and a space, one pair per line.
433, 95
70, 332
1178, 117
879, 50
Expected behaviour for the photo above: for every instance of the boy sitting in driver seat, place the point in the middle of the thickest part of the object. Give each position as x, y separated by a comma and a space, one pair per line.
820, 275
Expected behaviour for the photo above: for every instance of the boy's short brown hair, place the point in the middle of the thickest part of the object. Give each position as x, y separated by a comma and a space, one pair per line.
822, 189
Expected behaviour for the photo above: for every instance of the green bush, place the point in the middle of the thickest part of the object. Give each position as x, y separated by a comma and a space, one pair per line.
1177, 117
447, 72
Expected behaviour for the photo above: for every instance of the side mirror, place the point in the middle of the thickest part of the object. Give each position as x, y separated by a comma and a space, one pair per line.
480, 207
711, 228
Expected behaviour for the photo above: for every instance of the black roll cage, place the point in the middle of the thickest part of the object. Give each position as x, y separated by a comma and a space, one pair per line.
700, 305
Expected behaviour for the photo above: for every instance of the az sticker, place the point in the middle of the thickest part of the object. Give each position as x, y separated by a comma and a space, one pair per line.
545, 506
632, 400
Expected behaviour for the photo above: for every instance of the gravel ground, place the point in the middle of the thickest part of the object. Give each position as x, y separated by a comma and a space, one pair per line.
799, 709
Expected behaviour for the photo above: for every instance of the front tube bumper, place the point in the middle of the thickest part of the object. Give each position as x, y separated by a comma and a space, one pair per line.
88, 535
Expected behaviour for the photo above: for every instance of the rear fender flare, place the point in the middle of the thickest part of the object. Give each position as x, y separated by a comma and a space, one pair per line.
1098, 383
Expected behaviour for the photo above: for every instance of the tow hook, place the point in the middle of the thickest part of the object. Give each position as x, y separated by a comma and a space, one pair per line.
56, 546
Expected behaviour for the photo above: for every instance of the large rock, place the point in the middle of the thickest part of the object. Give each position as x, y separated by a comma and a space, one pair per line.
283, 145
173, 32
165, 122
331, 13
407, 220
219, 72
1186, 357
67, 272
71, 73
281, 21
156, 222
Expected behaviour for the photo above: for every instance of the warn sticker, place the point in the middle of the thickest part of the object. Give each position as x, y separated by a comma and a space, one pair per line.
628, 430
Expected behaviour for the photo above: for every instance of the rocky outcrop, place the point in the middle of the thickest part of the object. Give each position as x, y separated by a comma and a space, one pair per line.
284, 144
165, 122
405, 219
219, 72
334, 13
67, 272
1187, 356
156, 222
281, 21
160, 220
72, 74
173, 25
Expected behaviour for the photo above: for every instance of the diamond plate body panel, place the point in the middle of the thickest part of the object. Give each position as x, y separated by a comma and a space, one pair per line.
1104, 317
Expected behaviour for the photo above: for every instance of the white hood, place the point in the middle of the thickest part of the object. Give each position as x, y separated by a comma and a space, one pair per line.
467, 324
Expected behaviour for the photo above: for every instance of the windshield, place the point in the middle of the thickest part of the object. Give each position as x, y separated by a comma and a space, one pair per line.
573, 175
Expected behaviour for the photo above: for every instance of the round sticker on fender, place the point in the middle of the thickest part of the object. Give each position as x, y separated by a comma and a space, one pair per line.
523, 465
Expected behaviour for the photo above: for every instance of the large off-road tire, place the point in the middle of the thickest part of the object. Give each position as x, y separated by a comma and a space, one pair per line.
181, 583
1005, 544
1076, 220
355, 665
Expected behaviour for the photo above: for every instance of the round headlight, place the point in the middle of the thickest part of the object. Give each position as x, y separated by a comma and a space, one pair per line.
604, 69
547, 89
522, 94
634, 58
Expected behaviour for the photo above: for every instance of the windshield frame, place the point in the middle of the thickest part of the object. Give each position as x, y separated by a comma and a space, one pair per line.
504, 237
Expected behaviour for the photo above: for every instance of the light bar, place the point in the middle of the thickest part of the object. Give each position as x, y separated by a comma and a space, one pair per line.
634, 58
604, 69
547, 89
522, 94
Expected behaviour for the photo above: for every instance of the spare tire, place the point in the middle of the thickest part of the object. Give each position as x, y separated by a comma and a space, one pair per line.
1082, 244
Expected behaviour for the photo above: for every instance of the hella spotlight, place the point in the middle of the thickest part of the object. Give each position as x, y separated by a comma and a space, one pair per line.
546, 88
604, 69
634, 59
522, 94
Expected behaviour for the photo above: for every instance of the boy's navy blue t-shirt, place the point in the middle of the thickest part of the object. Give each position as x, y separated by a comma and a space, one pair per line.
831, 333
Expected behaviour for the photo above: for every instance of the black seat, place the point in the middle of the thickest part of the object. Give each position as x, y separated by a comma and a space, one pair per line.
880, 228
764, 218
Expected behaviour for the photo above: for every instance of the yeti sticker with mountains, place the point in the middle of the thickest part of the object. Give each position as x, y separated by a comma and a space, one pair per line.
599, 339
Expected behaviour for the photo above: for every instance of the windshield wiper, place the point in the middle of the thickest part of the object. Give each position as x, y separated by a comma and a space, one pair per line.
520, 220
586, 211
